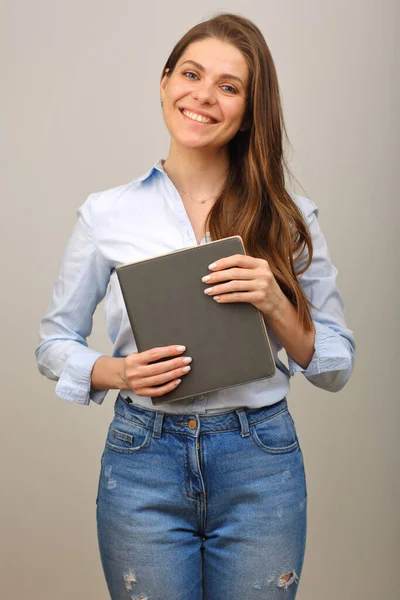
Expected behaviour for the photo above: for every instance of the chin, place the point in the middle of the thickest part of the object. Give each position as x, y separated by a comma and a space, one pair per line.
190, 142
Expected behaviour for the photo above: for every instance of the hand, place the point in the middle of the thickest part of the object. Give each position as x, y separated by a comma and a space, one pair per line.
250, 280
141, 376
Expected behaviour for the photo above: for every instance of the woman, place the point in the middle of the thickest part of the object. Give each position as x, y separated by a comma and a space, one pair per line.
207, 497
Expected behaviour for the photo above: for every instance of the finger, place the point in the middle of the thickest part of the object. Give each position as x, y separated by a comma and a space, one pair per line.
157, 353
234, 297
162, 366
240, 260
160, 391
233, 273
166, 377
231, 286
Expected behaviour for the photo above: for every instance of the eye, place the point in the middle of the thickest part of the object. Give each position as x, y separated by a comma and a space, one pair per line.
231, 91
229, 86
189, 73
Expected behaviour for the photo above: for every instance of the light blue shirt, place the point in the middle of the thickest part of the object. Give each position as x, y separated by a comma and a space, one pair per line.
146, 218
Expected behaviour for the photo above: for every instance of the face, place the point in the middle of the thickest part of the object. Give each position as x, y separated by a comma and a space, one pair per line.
215, 87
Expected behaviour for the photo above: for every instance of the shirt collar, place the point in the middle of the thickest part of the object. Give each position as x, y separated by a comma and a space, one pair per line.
157, 165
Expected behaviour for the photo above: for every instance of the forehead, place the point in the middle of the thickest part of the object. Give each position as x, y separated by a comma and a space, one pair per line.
217, 57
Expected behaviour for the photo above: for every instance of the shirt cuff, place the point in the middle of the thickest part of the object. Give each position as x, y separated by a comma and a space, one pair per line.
74, 383
330, 353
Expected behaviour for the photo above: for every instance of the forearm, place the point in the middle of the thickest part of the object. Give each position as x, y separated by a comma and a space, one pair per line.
298, 343
108, 373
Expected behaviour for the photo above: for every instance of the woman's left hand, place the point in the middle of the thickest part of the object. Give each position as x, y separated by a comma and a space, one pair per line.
248, 279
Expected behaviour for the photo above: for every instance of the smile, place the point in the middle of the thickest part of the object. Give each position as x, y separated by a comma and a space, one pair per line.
197, 118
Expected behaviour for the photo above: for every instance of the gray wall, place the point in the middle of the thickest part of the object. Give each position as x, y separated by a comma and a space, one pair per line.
81, 113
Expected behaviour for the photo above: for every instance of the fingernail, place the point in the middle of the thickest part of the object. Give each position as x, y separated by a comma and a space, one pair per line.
181, 348
212, 266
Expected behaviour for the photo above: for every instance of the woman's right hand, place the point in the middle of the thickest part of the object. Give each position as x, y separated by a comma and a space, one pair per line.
141, 376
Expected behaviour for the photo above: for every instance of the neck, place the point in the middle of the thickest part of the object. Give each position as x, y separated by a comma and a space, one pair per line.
200, 174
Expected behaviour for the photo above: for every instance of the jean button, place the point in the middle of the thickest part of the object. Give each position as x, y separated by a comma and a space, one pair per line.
192, 424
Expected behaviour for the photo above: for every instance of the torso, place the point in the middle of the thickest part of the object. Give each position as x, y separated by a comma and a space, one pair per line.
197, 214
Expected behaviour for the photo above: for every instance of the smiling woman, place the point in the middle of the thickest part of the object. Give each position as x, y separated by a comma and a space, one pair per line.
207, 498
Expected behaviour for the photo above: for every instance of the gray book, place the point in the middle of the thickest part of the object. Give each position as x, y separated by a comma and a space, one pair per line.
166, 305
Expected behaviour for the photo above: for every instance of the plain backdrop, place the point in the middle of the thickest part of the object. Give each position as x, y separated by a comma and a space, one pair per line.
81, 113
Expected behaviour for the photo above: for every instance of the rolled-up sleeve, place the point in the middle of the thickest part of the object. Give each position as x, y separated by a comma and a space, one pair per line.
334, 348
63, 354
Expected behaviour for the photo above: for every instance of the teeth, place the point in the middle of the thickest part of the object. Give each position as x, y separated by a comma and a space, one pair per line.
196, 117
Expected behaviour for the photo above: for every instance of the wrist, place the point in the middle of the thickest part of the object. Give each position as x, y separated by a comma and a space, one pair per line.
276, 310
109, 373
121, 381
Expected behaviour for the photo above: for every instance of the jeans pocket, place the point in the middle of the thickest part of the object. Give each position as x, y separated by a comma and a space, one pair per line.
276, 434
126, 436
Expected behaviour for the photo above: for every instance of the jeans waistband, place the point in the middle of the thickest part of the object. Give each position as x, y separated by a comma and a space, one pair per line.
193, 423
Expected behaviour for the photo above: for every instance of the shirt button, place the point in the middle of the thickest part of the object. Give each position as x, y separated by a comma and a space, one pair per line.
192, 424
202, 396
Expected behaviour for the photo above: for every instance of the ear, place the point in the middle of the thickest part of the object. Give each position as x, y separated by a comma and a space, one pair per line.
163, 84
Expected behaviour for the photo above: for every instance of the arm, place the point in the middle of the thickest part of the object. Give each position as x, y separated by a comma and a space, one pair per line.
298, 343
63, 354
326, 357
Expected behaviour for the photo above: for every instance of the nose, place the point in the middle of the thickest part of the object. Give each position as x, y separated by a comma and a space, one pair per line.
204, 93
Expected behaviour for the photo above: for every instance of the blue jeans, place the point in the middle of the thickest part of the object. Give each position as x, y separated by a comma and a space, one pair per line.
197, 507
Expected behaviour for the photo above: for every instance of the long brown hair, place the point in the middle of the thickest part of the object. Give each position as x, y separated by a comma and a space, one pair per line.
254, 202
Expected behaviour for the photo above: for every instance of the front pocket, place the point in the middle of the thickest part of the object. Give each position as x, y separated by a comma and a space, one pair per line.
276, 434
121, 435
127, 436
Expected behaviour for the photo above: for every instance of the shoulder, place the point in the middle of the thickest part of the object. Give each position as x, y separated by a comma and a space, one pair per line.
306, 205
100, 203
309, 211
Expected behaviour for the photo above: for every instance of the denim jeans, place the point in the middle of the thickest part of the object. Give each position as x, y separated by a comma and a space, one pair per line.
202, 507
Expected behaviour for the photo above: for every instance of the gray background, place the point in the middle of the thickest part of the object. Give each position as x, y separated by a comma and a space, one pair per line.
81, 113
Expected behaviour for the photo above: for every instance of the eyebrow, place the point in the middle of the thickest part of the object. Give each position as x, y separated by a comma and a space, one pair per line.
223, 75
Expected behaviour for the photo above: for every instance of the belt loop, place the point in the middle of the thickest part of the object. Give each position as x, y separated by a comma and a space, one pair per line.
157, 425
244, 423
